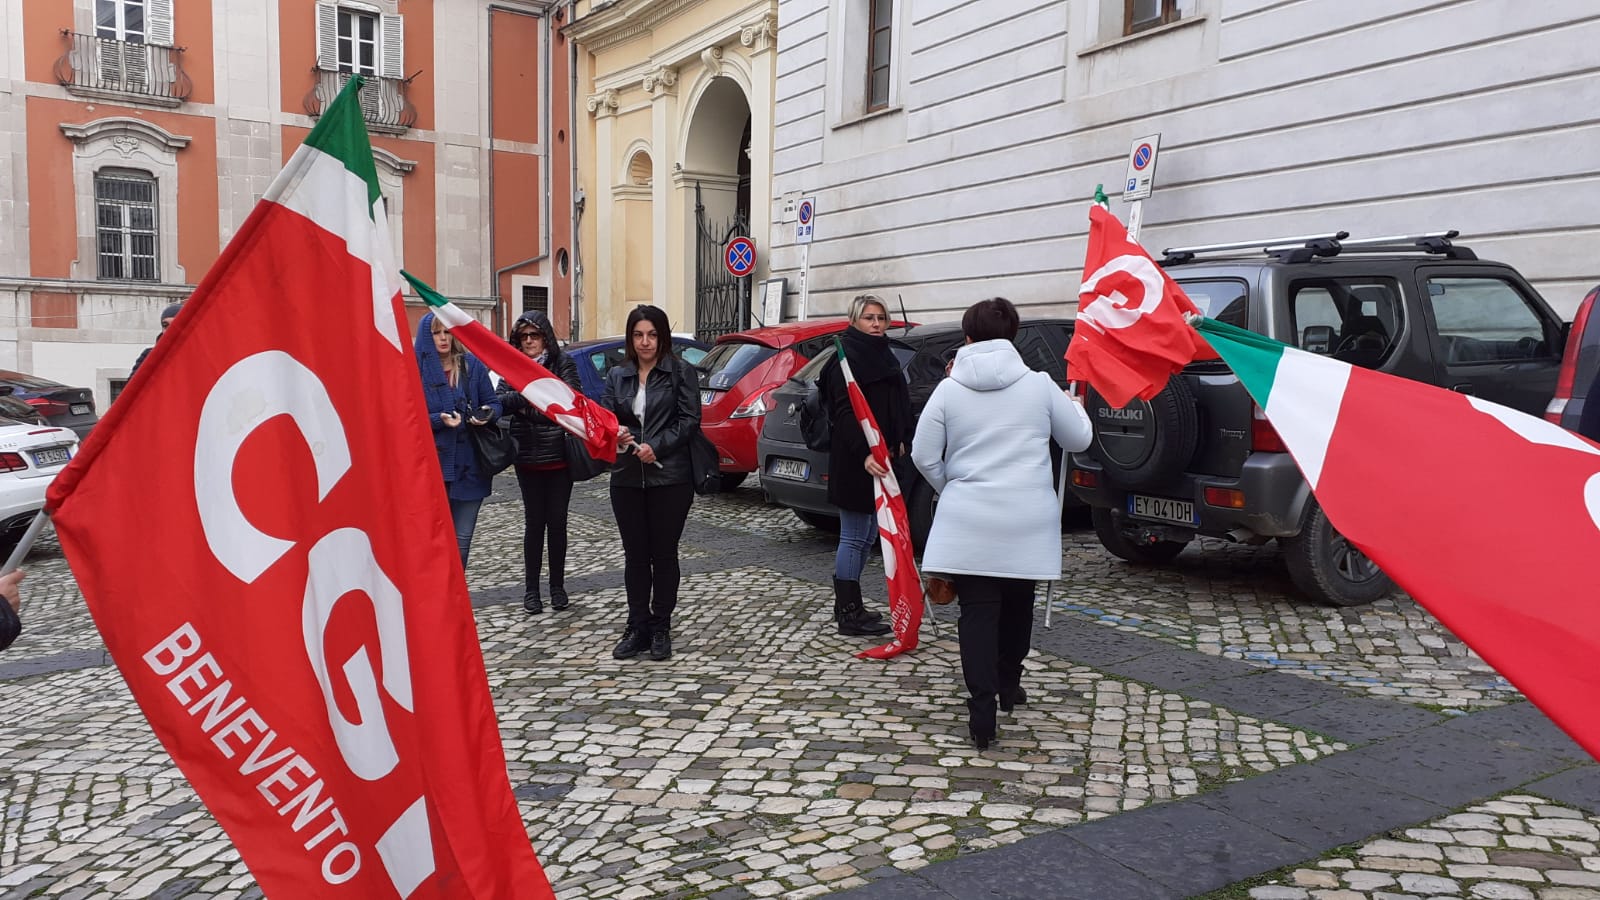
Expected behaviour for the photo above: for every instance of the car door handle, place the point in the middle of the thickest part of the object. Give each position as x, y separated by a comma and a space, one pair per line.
1463, 388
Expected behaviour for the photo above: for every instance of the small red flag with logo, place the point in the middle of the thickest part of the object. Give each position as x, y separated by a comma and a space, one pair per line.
1131, 333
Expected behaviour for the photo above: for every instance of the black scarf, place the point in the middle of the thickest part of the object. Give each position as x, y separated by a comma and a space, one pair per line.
870, 357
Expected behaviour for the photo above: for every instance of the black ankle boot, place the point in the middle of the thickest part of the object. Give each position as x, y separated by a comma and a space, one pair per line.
634, 642
1013, 697
558, 598
850, 616
531, 603
660, 645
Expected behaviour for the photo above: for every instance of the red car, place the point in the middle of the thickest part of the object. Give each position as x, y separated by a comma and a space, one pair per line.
737, 379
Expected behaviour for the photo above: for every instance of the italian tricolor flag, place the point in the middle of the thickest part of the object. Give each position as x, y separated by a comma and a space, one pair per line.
1487, 516
585, 419
894, 530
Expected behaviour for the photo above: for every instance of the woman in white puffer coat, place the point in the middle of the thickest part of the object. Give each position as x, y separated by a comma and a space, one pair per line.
983, 442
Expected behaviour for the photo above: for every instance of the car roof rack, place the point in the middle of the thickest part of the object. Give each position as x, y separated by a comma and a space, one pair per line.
1304, 248
1328, 243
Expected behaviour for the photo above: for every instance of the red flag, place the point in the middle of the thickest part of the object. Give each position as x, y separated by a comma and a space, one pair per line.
260, 530
1399, 468
1131, 335
894, 530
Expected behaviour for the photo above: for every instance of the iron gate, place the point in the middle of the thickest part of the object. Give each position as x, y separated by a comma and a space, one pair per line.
721, 299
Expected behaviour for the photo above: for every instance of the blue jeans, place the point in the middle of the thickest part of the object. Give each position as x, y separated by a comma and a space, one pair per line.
857, 532
464, 514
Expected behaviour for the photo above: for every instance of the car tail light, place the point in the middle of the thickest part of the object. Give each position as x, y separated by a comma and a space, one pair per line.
12, 462
47, 407
1566, 379
757, 405
1263, 437
1227, 498
1085, 479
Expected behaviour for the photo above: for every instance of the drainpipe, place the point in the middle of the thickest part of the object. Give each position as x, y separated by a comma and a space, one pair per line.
543, 14
575, 258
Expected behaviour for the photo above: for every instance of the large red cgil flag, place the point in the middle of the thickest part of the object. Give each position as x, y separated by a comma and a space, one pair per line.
260, 530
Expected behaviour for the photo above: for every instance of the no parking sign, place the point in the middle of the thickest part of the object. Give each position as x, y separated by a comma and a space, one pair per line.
1141, 180
805, 221
740, 257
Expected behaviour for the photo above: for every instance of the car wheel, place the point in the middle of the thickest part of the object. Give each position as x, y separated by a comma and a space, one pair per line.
1109, 528
1326, 567
1148, 442
818, 520
732, 480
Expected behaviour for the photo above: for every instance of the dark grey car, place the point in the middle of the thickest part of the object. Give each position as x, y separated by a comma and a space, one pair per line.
797, 477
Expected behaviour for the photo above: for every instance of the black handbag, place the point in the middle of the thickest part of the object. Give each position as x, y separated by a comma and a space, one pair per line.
580, 465
705, 470
494, 446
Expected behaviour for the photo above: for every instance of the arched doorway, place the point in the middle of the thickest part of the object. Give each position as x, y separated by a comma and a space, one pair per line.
716, 165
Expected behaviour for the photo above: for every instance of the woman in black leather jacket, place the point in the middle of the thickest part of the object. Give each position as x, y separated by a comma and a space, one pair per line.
541, 463
651, 487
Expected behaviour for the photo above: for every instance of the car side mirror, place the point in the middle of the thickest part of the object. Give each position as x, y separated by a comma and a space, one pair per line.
1317, 339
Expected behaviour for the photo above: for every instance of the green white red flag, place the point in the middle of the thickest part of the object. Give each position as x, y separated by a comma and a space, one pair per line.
260, 533
1400, 468
1131, 335
585, 419
894, 531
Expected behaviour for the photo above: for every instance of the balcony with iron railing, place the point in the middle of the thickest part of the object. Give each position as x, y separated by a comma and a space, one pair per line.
110, 69
383, 100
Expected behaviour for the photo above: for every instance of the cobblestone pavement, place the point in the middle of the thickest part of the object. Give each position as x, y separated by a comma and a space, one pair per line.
762, 760
1517, 847
1233, 601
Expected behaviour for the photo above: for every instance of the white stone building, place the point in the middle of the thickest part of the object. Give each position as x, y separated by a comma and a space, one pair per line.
953, 145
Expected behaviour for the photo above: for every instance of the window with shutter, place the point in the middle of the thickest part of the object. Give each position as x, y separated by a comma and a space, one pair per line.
327, 36
159, 15
394, 58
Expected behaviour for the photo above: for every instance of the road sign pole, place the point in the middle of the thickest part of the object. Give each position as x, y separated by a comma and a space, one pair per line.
805, 280
1135, 219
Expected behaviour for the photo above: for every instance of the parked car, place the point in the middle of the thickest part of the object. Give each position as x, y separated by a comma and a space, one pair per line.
1201, 458
796, 476
12, 408
595, 358
1579, 361
30, 457
738, 377
68, 407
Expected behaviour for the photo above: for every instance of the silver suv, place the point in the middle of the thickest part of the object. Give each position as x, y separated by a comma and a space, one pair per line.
1200, 458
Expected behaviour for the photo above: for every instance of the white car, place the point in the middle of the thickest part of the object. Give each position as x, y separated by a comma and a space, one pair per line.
30, 457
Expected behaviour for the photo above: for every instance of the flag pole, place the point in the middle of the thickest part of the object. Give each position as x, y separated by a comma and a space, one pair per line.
20, 552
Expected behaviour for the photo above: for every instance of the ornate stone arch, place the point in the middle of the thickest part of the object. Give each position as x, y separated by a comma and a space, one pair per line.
729, 63
637, 160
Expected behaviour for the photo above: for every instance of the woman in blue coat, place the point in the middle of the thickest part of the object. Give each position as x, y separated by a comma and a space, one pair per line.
459, 396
